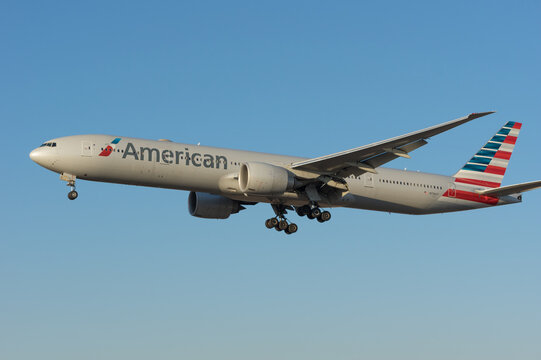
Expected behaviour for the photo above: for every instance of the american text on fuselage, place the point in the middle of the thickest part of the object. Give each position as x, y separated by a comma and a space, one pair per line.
175, 157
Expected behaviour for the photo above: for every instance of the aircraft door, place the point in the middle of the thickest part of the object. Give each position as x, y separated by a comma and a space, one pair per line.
86, 148
452, 190
369, 180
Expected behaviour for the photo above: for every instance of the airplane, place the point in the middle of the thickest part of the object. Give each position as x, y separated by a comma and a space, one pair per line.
223, 182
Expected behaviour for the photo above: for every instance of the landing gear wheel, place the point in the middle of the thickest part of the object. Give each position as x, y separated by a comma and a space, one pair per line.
303, 210
282, 225
315, 212
325, 216
268, 224
292, 228
273, 221
72, 195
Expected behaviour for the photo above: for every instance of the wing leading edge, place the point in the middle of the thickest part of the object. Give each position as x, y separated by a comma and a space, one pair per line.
368, 157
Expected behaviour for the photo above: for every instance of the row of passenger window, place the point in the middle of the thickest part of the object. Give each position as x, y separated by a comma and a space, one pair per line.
427, 186
50, 144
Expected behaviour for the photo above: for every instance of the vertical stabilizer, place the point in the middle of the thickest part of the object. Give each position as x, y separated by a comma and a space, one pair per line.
487, 167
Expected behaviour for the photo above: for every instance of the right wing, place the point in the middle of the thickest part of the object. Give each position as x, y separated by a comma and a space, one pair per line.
368, 157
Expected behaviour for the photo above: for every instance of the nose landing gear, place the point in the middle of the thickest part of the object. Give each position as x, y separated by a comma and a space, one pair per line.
72, 195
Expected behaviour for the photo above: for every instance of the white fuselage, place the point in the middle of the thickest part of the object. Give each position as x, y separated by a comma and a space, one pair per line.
170, 165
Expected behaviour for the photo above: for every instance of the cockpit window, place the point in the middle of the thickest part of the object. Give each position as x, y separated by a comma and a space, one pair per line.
50, 144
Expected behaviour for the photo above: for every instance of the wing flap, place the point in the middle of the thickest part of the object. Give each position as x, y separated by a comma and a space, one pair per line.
511, 189
360, 168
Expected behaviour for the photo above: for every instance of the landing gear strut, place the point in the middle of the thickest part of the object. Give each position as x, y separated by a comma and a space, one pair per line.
72, 195
279, 222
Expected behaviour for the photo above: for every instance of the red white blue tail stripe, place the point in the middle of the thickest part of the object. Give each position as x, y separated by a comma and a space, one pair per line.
487, 167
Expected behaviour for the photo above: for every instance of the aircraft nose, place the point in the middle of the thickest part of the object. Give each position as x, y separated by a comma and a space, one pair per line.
38, 156
34, 154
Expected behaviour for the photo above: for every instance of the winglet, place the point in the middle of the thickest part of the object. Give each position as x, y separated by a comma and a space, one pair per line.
481, 114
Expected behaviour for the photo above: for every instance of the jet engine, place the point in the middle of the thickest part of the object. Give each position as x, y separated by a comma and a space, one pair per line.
264, 179
211, 206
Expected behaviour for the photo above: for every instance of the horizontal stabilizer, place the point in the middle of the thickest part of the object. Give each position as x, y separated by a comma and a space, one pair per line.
511, 189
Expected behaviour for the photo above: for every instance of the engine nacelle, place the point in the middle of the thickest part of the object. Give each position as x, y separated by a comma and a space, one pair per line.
211, 206
264, 179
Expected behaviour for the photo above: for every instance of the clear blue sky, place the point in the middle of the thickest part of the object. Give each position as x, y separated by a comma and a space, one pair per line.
126, 273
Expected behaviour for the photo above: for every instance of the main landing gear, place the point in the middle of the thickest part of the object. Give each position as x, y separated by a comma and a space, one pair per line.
280, 223
313, 212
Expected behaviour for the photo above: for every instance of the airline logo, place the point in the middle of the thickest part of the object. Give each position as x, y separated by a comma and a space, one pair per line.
110, 148
487, 167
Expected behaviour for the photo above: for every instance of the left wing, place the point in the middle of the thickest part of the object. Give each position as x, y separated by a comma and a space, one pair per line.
367, 158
